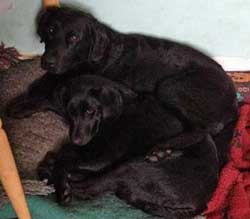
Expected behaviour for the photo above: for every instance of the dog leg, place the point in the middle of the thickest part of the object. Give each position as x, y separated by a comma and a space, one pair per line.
71, 164
46, 167
57, 169
172, 148
36, 99
24, 106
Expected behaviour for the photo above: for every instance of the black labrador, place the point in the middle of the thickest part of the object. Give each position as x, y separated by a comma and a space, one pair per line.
118, 128
181, 78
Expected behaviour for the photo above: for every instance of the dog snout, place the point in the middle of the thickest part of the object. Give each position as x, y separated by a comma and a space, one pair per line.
80, 136
81, 141
48, 62
77, 141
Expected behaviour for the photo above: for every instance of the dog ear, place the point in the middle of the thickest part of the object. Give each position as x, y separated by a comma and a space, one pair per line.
110, 100
99, 43
61, 98
118, 92
42, 20
113, 99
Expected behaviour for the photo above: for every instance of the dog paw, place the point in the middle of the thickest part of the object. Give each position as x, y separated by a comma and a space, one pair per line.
64, 190
46, 167
157, 156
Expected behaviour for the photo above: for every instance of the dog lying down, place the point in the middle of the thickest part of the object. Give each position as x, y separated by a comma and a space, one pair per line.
117, 129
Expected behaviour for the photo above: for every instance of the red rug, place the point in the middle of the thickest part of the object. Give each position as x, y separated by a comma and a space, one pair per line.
231, 199
8, 57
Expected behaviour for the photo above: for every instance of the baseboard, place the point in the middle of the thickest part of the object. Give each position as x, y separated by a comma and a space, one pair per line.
234, 63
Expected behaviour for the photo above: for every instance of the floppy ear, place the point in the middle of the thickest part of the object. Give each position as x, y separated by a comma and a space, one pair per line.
41, 20
110, 100
99, 44
113, 99
61, 98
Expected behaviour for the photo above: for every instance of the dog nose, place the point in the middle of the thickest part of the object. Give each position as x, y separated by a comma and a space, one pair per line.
48, 63
80, 141
77, 141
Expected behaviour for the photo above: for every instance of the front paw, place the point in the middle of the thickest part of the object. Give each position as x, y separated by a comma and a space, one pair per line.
160, 154
56, 175
63, 188
157, 156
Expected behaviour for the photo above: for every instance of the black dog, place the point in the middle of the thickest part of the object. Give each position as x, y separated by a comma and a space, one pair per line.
179, 77
118, 129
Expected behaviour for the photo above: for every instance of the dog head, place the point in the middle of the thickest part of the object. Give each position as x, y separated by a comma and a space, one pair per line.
89, 101
71, 38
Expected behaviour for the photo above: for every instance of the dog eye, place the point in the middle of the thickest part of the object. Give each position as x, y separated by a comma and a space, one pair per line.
51, 29
90, 111
73, 38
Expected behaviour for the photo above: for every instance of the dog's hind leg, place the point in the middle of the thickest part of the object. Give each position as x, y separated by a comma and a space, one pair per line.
208, 102
192, 99
175, 145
